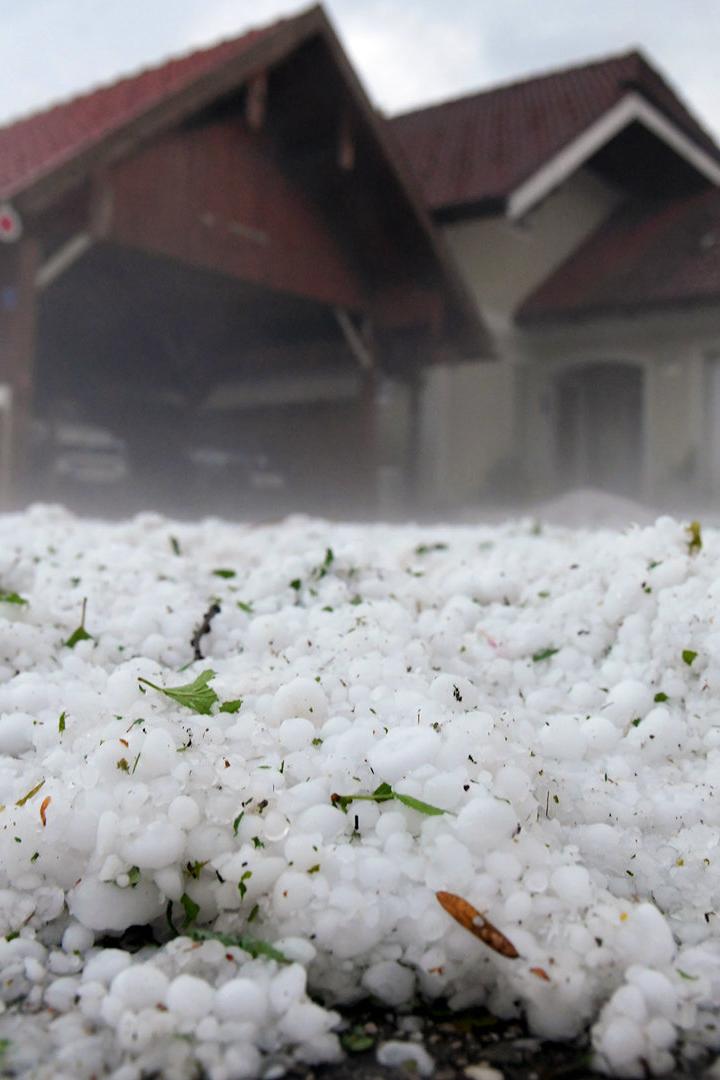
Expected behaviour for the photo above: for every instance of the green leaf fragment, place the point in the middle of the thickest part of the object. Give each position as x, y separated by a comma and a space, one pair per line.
688, 656
134, 875
175, 545
357, 1040
694, 532
685, 975
194, 868
236, 822
196, 695
224, 573
660, 697
61, 722
296, 584
425, 549
383, 793
242, 887
247, 608
417, 804
12, 598
191, 909
78, 635
249, 945
231, 706
544, 654
30, 794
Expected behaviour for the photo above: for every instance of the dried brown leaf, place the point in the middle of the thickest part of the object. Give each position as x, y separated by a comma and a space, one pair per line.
541, 973
470, 918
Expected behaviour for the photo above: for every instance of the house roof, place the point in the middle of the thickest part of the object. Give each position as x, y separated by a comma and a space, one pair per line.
45, 153
477, 150
645, 256
35, 145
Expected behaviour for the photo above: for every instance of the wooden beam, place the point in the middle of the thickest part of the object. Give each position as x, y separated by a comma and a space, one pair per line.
357, 341
63, 259
256, 101
346, 144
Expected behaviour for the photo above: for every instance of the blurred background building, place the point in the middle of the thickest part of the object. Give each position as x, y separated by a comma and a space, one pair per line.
228, 284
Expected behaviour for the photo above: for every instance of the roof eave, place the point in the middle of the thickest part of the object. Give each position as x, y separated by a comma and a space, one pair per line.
632, 107
42, 189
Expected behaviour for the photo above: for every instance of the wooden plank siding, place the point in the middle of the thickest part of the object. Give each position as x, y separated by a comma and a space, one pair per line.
214, 197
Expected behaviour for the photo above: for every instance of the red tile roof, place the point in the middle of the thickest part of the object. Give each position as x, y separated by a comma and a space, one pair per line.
647, 255
37, 144
478, 149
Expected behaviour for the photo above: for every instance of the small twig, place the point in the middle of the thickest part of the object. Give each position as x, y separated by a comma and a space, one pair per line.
204, 628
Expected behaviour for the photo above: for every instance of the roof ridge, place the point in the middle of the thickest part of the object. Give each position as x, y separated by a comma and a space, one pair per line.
147, 69
550, 73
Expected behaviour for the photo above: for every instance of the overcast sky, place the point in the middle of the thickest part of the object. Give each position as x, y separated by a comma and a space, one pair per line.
408, 52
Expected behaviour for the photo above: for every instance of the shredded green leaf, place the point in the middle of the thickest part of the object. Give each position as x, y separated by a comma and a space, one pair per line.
223, 573
78, 635
694, 532
174, 544
660, 696
231, 706
384, 793
191, 909
12, 598
134, 875
249, 945
357, 1040
425, 549
242, 887
418, 804
247, 608
61, 722
544, 654
236, 822
688, 656
196, 695
30, 794
194, 868
685, 975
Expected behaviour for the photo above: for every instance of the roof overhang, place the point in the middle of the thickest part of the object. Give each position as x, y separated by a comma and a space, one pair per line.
89, 160
632, 108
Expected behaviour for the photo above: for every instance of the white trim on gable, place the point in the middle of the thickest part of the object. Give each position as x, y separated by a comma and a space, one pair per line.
631, 108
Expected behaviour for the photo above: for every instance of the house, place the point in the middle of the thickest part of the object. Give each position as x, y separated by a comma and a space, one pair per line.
212, 275
583, 209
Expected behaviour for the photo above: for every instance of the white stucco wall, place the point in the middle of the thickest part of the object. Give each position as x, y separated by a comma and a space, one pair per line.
504, 261
469, 411
672, 349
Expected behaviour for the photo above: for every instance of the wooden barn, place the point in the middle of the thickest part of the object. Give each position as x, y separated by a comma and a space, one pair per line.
212, 274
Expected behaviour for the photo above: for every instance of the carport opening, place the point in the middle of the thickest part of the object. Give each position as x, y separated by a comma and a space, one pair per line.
166, 385
599, 427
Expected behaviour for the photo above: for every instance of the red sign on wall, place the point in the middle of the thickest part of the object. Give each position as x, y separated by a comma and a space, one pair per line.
10, 224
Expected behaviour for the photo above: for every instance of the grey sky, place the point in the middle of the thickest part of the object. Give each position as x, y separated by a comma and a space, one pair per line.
408, 52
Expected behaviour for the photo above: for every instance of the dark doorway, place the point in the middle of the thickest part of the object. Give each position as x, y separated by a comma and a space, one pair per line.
599, 432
